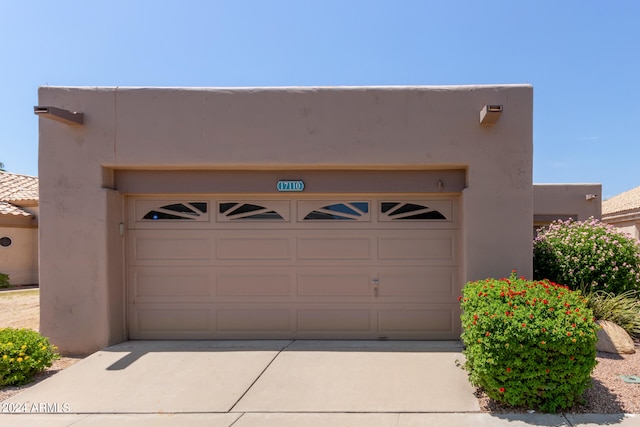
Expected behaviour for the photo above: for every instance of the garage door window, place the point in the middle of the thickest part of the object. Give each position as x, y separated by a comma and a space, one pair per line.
177, 211
270, 211
399, 211
350, 211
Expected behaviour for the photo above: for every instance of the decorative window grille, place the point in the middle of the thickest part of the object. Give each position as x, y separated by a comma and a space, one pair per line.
243, 211
178, 211
399, 211
349, 211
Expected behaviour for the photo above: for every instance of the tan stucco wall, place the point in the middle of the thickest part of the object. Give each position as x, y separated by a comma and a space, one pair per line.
20, 260
631, 229
564, 201
256, 129
628, 223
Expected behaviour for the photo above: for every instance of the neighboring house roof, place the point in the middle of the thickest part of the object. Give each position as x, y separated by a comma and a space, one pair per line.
16, 188
624, 202
9, 209
17, 192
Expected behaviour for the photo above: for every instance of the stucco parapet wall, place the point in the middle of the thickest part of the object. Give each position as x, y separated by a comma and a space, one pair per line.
562, 201
321, 127
291, 88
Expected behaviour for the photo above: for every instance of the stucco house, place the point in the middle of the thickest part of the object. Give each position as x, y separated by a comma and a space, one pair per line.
249, 213
19, 228
565, 201
623, 211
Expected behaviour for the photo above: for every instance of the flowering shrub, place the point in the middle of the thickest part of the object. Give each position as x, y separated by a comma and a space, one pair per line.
528, 342
23, 353
583, 254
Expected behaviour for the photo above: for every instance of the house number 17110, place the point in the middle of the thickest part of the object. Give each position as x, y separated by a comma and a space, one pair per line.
290, 185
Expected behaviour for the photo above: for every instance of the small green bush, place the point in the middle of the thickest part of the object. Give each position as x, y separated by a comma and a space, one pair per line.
4, 280
528, 342
587, 254
23, 353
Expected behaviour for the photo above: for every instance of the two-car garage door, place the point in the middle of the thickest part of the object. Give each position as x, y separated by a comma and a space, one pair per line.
325, 267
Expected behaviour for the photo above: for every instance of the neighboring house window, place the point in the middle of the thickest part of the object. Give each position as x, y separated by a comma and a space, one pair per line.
178, 211
5, 242
394, 211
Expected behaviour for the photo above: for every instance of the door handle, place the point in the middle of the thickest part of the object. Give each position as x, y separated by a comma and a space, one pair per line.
376, 287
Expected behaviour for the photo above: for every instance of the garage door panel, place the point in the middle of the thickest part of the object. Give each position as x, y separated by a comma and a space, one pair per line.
251, 320
426, 283
417, 246
331, 320
268, 282
189, 319
169, 248
330, 248
334, 282
415, 319
252, 248
170, 282
156, 247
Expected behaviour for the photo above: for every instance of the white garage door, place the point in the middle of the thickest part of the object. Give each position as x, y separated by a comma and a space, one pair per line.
347, 267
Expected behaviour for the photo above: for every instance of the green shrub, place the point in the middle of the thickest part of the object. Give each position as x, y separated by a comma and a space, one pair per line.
528, 342
587, 254
23, 353
4, 280
623, 309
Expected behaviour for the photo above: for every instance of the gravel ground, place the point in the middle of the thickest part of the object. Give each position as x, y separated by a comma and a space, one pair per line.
608, 395
20, 309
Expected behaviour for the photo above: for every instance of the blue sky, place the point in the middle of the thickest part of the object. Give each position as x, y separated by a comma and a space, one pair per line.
582, 58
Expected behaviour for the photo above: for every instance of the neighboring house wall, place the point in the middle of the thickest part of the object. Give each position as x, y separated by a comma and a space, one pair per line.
565, 201
19, 228
632, 228
623, 212
20, 259
265, 129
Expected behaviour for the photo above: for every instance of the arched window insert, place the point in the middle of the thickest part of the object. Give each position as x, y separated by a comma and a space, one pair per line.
178, 211
238, 211
349, 211
396, 211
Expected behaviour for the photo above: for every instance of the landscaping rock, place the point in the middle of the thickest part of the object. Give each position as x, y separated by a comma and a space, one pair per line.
613, 339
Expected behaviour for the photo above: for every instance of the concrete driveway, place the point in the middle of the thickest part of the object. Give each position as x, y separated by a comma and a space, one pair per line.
259, 383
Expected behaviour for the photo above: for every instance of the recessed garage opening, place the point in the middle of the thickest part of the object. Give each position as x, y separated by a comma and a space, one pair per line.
295, 266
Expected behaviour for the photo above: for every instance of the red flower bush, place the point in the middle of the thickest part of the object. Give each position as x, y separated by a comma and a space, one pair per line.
528, 342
